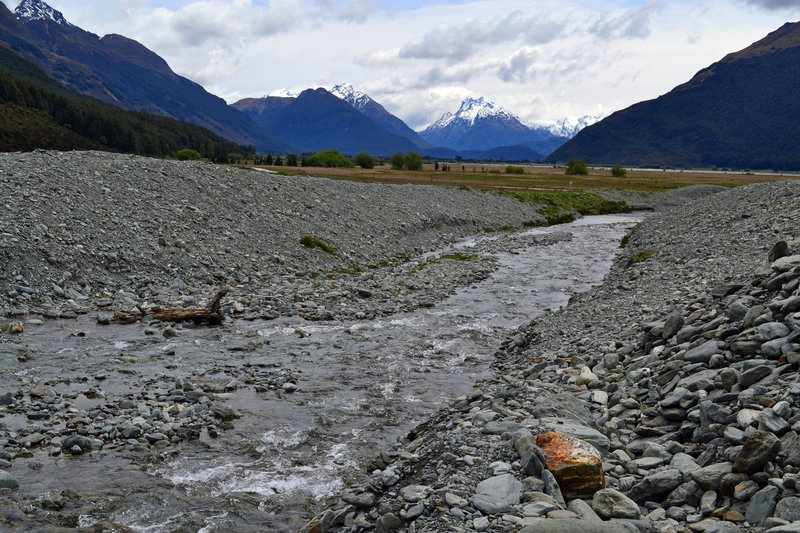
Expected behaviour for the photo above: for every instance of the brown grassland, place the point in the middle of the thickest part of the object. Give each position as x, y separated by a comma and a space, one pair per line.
537, 177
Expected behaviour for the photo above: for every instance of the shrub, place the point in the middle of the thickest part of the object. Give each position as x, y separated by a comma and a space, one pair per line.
328, 159
188, 155
364, 160
618, 172
413, 161
576, 167
397, 161
291, 160
514, 170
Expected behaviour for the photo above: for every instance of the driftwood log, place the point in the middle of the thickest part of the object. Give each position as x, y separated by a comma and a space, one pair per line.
210, 314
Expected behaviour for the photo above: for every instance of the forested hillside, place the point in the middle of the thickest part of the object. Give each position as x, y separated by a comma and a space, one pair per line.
36, 112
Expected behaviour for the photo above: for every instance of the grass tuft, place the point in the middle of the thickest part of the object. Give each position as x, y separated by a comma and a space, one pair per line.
640, 257
310, 242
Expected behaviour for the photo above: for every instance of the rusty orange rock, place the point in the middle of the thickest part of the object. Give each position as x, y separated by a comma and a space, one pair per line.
575, 464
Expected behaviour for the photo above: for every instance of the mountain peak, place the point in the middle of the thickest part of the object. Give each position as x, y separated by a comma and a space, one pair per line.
473, 109
355, 98
30, 10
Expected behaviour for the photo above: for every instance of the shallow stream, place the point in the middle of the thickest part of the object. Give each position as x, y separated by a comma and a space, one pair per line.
360, 387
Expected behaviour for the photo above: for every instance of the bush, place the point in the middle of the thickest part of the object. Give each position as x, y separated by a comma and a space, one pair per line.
576, 167
364, 160
328, 159
188, 155
397, 161
618, 172
291, 160
514, 170
413, 161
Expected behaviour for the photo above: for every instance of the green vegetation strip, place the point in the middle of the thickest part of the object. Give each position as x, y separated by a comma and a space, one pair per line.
559, 207
310, 242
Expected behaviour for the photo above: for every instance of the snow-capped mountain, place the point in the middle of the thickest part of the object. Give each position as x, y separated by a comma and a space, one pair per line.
480, 124
471, 110
355, 98
29, 10
570, 128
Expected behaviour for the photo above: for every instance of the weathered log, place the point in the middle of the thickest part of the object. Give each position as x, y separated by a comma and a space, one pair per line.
210, 314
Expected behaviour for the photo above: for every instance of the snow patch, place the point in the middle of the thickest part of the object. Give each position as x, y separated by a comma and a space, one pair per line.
30, 10
570, 128
346, 92
283, 93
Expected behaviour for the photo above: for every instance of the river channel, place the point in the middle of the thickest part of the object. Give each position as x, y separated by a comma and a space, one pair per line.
361, 386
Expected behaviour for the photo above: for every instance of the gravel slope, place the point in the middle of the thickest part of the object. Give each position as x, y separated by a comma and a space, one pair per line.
82, 229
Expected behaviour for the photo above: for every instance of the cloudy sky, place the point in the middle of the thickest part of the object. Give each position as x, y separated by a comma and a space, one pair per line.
543, 60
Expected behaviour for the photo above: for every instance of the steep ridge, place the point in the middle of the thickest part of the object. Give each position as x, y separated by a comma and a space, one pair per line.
38, 112
372, 109
120, 71
740, 112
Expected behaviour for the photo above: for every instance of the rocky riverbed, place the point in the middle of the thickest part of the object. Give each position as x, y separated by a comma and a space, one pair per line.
676, 375
679, 377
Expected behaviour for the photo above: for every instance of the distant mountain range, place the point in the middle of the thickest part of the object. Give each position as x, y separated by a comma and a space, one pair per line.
478, 130
741, 112
479, 124
120, 71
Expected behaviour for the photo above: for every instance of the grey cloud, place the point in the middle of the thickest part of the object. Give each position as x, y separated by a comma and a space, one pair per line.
634, 24
457, 43
193, 32
357, 11
775, 4
517, 66
528, 65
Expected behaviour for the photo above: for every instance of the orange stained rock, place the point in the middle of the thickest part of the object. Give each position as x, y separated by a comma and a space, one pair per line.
575, 464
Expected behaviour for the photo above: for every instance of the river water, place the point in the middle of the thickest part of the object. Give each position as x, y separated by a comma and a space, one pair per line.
361, 387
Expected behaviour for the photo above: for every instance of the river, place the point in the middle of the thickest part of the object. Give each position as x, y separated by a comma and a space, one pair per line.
361, 386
